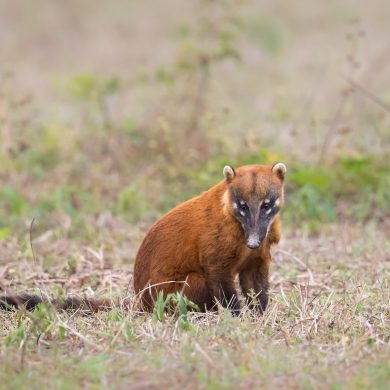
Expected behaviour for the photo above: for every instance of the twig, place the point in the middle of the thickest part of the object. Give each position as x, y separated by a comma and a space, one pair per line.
31, 241
299, 261
198, 106
332, 128
367, 94
319, 315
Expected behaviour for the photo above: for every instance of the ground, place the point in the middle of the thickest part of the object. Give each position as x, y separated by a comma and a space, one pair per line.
326, 326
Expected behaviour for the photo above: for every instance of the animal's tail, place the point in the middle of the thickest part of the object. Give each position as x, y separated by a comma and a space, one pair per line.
29, 302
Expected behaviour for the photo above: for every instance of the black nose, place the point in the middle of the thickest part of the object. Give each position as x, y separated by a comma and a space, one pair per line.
253, 245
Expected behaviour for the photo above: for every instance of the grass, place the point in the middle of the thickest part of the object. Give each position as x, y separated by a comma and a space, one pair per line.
99, 140
327, 325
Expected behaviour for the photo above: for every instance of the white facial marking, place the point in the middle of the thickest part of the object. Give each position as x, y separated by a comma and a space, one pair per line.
242, 213
270, 224
277, 202
235, 205
242, 202
268, 211
266, 201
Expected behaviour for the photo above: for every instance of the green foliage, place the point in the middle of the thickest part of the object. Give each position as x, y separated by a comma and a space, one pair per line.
178, 134
62, 198
93, 92
11, 201
373, 376
359, 183
4, 233
314, 177
39, 149
129, 127
176, 303
214, 38
40, 323
269, 32
88, 87
309, 202
365, 180
132, 203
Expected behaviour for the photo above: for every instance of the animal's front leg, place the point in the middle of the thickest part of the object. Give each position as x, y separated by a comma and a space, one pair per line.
254, 284
225, 293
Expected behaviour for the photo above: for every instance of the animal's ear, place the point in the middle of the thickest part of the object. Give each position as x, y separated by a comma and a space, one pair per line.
280, 169
229, 173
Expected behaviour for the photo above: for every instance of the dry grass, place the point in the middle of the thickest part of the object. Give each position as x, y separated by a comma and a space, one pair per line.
327, 324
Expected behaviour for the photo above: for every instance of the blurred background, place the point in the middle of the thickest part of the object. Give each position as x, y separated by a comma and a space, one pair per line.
113, 112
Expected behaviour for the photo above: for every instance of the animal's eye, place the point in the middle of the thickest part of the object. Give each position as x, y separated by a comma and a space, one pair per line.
243, 206
266, 206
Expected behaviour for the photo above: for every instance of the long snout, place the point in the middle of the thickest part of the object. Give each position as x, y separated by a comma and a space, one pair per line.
253, 242
256, 237
255, 230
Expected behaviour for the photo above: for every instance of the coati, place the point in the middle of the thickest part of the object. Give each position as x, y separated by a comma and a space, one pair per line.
201, 245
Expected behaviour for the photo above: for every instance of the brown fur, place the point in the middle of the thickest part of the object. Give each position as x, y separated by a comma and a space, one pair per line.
199, 247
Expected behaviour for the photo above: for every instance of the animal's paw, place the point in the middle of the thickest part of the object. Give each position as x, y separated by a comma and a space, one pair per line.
234, 306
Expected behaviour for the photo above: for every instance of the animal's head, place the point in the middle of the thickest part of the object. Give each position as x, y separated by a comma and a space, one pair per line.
254, 196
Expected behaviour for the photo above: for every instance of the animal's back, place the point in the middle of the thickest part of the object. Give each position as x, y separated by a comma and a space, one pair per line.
170, 247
